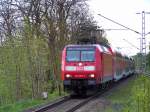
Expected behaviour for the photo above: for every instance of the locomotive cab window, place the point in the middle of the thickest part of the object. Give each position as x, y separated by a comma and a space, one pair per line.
73, 55
80, 54
87, 55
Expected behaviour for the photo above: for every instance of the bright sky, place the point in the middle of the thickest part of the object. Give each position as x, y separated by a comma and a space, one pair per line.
124, 12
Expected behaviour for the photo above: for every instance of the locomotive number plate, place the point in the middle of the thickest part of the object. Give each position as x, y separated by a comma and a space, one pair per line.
80, 68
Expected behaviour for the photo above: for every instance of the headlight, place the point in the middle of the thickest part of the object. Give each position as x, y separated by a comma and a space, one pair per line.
68, 76
89, 68
91, 75
70, 68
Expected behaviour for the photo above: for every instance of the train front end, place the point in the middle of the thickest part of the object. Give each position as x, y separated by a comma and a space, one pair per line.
79, 68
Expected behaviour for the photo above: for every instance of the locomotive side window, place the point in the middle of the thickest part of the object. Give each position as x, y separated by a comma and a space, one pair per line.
73, 55
87, 55
105, 49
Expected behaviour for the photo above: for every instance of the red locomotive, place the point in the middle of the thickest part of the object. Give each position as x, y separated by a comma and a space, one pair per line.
89, 66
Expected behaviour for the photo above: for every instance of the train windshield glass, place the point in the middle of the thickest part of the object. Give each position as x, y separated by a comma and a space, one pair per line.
73, 55
80, 54
87, 55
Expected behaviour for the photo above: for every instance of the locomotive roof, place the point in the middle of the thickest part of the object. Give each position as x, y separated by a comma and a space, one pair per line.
102, 48
83, 45
117, 53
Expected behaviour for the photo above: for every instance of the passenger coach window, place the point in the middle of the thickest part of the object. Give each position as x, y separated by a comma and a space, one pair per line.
73, 55
87, 55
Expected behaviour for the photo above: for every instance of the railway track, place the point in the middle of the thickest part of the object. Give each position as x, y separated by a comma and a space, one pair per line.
66, 105
70, 104
49, 105
76, 107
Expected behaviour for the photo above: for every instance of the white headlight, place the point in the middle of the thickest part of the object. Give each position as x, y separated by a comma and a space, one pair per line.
89, 68
92, 75
68, 76
70, 68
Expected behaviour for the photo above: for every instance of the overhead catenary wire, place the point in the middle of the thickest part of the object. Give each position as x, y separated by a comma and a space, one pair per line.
119, 24
131, 44
114, 29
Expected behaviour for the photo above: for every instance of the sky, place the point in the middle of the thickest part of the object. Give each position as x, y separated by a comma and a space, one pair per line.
123, 12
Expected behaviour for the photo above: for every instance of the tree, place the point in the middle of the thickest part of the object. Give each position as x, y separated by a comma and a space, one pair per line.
33, 34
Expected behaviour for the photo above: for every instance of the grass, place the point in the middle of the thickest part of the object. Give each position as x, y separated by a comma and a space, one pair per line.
121, 99
24, 104
130, 97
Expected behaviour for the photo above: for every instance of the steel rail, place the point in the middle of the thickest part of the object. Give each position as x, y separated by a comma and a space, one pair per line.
51, 105
91, 98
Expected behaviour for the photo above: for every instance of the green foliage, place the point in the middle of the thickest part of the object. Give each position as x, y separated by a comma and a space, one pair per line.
30, 52
137, 59
134, 97
148, 61
28, 103
15, 65
141, 92
10, 59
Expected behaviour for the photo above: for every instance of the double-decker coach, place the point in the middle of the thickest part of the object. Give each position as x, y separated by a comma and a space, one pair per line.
127, 66
132, 65
118, 66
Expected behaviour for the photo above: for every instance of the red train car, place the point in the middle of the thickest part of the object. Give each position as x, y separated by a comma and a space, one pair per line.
86, 66
118, 66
